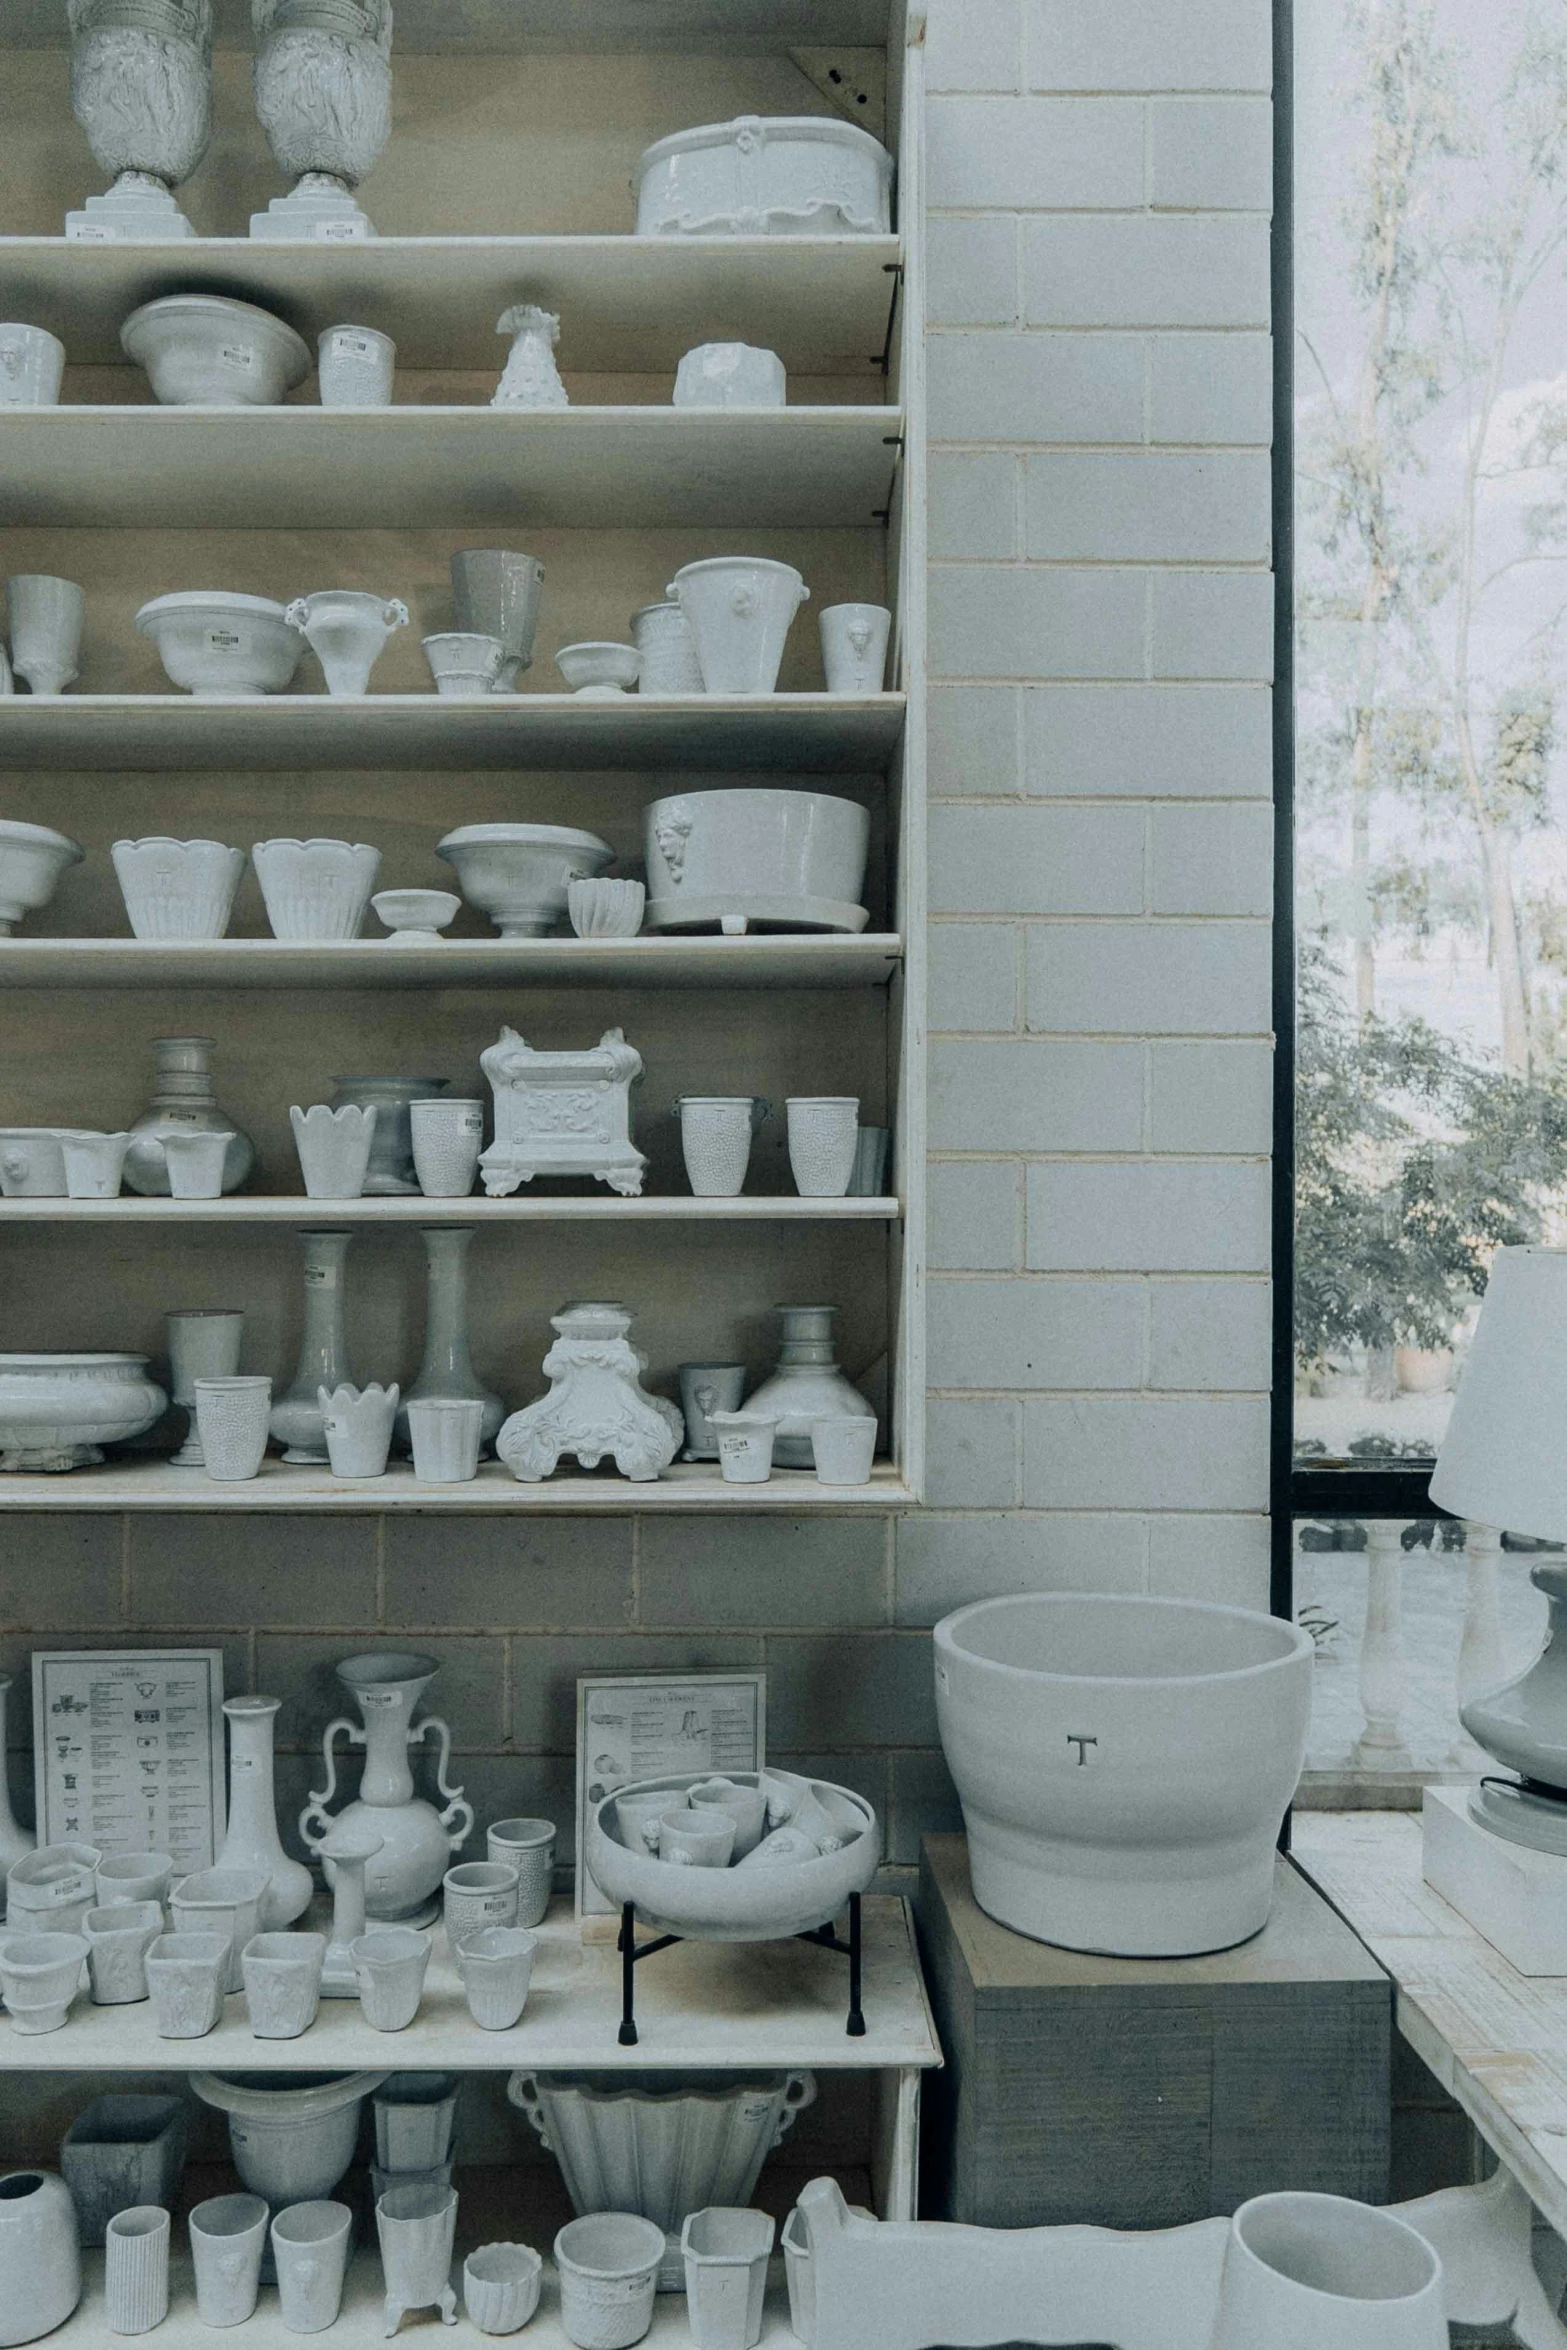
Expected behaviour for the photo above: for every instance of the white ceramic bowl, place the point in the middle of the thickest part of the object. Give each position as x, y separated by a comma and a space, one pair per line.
605, 909
416, 917
792, 860
207, 351
56, 1410
177, 888
802, 175
518, 874
597, 669
32, 859
315, 891
215, 644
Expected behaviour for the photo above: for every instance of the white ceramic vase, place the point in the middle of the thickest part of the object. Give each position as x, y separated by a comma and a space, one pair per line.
357, 367
417, 1842
346, 630
824, 1135
141, 88
177, 888
46, 629
806, 1385
497, 592
444, 1434
40, 2260
531, 378
854, 647
596, 1406
232, 1425
251, 1840
416, 2226
334, 1148
730, 375
228, 2235
501, 2284
183, 1102
350, 1852
323, 89
32, 362
662, 635
358, 1426
446, 1370
315, 891
741, 609
296, 1420
136, 2269
715, 1140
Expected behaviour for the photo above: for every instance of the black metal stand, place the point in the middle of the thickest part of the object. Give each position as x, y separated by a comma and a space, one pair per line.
631, 1955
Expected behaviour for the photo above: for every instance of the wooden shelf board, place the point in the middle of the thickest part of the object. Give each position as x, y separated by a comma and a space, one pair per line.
611, 467
479, 28
128, 1484
285, 733
628, 305
596, 1207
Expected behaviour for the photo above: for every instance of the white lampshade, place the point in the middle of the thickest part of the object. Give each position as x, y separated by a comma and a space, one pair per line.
1503, 1461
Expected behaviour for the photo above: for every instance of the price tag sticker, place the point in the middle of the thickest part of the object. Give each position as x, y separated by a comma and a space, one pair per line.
340, 232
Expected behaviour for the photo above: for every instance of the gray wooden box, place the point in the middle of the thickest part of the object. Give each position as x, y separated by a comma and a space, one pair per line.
1138, 2093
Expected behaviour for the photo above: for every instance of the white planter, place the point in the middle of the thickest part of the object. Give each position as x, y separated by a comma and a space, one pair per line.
334, 1147
497, 592
448, 1136
415, 2114
289, 2143
94, 1163
233, 1422
310, 2245
529, 1846
358, 1423
46, 629
791, 860
58, 1410
221, 1901
518, 874
715, 1140
187, 1974
845, 1450
501, 2284
177, 888
608, 2268
854, 647
730, 375
195, 1164
416, 917
282, 1980
531, 378
741, 609
1191, 1720
357, 367
446, 1432
765, 176
32, 362
697, 1839
228, 2235
51, 1889
706, 1388
496, 1966
598, 671
32, 1164
347, 630
206, 351
1318, 2272
118, 1940
40, 2263
478, 1893
40, 1974
122, 2150
134, 1876
726, 2252
389, 1969
416, 2226
141, 88
136, 2270
315, 891
464, 662
745, 1445
218, 645
824, 1134
662, 635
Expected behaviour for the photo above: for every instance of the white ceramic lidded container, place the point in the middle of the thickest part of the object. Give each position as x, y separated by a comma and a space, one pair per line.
765, 176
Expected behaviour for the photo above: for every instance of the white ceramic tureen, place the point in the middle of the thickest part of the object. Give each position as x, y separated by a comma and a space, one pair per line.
56, 1410
793, 860
793, 175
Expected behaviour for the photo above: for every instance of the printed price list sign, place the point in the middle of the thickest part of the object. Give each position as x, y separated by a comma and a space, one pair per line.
128, 1751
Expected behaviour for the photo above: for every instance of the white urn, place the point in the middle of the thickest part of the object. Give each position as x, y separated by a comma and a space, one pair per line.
323, 89
141, 88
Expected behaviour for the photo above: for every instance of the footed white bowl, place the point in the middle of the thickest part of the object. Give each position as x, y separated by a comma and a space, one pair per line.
599, 668
57, 1410
518, 874
215, 644
208, 351
32, 859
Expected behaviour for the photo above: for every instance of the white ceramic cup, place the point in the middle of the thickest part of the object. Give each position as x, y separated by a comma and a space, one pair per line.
282, 1977
358, 1424
463, 662
501, 2284
94, 1163
1320, 2272
824, 1134
134, 1876
118, 1939
228, 2235
310, 2244
445, 1432
705, 1388
32, 361
447, 1139
136, 2269
204, 1343
844, 1450
745, 1446
195, 1164
40, 1974
715, 1140
701, 1839
608, 2264
479, 1893
528, 1846
232, 1418
389, 1968
496, 1966
357, 367
854, 647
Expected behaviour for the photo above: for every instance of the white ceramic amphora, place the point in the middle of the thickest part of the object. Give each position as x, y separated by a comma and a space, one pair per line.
854, 647
448, 1136
228, 2235
32, 859
310, 2245
195, 1163
715, 1140
824, 1134
741, 609
216, 645
40, 1975
418, 1843
187, 1976
118, 1940
608, 2266
389, 1970
745, 1445
357, 367
358, 1423
496, 1966
730, 375
416, 917
46, 629
315, 891
177, 888
529, 1847
346, 629
94, 1163
531, 378
334, 1148
222, 1901
501, 2284
136, 2269
726, 2254
446, 1432
599, 671
416, 2226
282, 1983
463, 662
605, 909
32, 362
662, 635
705, 1388
497, 591
1319, 2272
232, 1425
479, 1893
125, 1878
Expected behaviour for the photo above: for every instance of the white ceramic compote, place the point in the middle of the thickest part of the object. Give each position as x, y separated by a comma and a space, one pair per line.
416, 917
346, 629
599, 671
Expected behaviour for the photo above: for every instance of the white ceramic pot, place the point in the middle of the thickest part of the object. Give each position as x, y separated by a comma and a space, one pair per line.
448, 1136
136, 2270
94, 1163
315, 891
310, 2245
1318, 2272
845, 1450
346, 630
416, 2226
496, 1966
446, 1432
195, 1164
529, 1847
745, 1806
233, 1422
221, 1901
177, 888
854, 647
605, 909
127, 1877
531, 378
121, 2150
389, 1970
662, 635
726, 2252
715, 1140
501, 2284
464, 662
291, 2139
497, 592
608, 2266
358, 1423
806, 1385
518, 874
228, 2234
58, 1410
824, 1134
32, 1163
118, 1940
598, 671
32, 362
416, 917
217, 645
1191, 1724
792, 860
282, 1982
697, 1839
705, 1388
479, 1893
357, 367
40, 1974
206, 351
51, 1888
415, 2114
46, 629
40, 2262
745, 1445
730, 375
186, 1975
741, 609
765, 176
334, 1147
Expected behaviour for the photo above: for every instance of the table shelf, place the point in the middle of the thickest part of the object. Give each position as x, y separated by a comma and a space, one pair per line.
502, 28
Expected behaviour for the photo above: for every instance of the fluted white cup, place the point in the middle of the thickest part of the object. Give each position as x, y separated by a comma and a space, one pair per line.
136, 2269
446, 1431
231, 1422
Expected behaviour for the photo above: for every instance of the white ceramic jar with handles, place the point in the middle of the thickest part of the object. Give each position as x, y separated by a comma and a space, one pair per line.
741, 609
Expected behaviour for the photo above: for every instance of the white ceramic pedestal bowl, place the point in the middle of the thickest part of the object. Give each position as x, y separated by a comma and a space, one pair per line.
315, 891
1123, 1764
740, 1904
416, 917
595, 671
791, 860
32, 859
177, 888
518, 874
208, 351
216, 645
57, 1410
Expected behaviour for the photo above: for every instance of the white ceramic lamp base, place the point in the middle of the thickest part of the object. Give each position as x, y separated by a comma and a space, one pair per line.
142, 212
1515, 1897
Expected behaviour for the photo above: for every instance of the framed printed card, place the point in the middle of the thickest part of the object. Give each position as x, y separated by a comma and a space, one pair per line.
128, 1750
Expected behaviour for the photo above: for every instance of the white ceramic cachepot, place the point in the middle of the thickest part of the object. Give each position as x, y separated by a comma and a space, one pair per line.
94, 1163
745, 1445
136, 2269
315, 891
217, 645
418, 1843
415, 2116
741, 609
346, 629
445, 1432
765, 175
195, 1163
600, 908
310, 2245
32, 859
845, 1450
208, 351
416, 917
334, 1148
251, 1839
40, 1974
118, 1940
497, 591
416, 2226
282, 1983
519, 874
726, 2252
187, 1977
464, 662
479, 1893
608, 2268
46, 629
134, 1876
141, 88
794, 860
222, 1901
389, 1970
357, 366
730, 375
496, 1966
233, 1417
323, 89
662, 635
854, 647
715, 1140
290, 2138
228, 2235
448, 1136
57, 1411
529, 1846
123, 2149
40, 2260
501, 2284
824, 1134
599, 670
531, 378
51, 1889
1319, 2272
358, 1424
32, 1164
32, 362
177, 888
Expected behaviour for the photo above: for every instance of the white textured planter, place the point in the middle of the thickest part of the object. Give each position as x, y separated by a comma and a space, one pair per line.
310, 2245
605, 909
854, 647
357, 367
1123, 1764
40, 1974
845, 1450
40, 2264
290, 2142
416, 917
416, 2226
46, 629
315, 891
177, 888
715, 1140
207, 351
448, 1136
334, 1147
358, 1423
730, 375
518, 874
121, 2150
726, 2252
222, 1901
32, 362
608, 2268
118, 1940
745, 1445
496, 1966
57, 1411
187, 1977
94, 1163
765, 176
529, 1847
228, 2235
389, 1968
282, 1978
741, 609
233, 1422
217, 645
497, 591
1318, 2272
347, 630
789, 860
599, 671
32, 1164
32, 859
824, 1134
501, 2284
136, 2269
465, 662
195, 1163
479, 1893
446, 1432
662, 635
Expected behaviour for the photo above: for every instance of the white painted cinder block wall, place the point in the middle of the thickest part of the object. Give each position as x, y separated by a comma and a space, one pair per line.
1101, 614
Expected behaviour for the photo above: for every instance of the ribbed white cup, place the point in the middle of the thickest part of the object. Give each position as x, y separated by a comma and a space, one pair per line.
136, 2269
